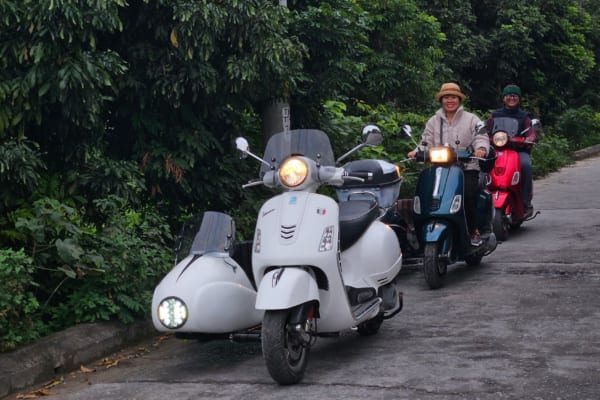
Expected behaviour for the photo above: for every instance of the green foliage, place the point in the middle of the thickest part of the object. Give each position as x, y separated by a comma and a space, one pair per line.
131, 250
18, 305
549, 153
95, 272
580, 126
20, 168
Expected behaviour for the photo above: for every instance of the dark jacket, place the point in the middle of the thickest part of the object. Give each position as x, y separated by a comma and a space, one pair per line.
524, 120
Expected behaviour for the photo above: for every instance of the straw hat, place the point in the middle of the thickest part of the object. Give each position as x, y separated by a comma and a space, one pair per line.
449, 89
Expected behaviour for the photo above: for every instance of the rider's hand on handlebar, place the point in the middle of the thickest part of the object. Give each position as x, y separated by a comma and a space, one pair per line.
480, 152
412, 154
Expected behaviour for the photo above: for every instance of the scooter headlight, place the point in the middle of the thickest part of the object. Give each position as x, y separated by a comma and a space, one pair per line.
172, 312
441, 155
500, 139
293, 172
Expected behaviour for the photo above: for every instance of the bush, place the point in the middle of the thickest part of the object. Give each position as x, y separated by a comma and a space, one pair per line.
549, 154
89, 272
18, 305
580, 126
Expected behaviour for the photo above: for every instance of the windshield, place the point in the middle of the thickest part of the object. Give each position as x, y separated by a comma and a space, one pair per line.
216, 234
506, 124
311, 143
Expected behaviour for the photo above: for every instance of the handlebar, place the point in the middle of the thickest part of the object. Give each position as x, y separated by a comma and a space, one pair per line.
255, 182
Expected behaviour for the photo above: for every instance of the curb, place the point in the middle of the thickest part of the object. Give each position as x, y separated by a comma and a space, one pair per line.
587, 152
65, 351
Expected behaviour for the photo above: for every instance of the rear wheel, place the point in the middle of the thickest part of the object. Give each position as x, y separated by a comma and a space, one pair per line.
370, 327
284, 349
473, 261
434, 268
501, 224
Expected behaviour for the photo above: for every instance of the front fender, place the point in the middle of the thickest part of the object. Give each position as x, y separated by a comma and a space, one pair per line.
434, 230
287, 287
500, 198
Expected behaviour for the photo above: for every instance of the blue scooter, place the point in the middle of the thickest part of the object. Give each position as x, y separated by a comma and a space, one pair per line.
438, 214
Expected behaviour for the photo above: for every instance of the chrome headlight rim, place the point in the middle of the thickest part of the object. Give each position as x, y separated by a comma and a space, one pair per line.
293, 172
500, 139
172, 312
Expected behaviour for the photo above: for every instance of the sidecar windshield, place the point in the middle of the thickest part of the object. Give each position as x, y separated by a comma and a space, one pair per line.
311, 143
506, 124
216, 234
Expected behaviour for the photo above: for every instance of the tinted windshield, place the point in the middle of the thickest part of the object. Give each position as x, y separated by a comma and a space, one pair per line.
311, 143
506, 124
216, 234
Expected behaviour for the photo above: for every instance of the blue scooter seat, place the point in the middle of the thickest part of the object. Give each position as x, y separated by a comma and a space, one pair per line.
355, 218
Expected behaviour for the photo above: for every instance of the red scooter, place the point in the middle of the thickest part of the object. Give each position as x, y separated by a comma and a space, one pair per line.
505, 177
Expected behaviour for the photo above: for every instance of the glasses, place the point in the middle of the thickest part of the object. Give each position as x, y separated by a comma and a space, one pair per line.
512, 96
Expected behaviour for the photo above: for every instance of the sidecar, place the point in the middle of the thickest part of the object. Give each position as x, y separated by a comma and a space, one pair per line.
211, 292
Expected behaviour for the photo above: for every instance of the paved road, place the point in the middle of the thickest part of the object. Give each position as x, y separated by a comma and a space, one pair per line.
525, 324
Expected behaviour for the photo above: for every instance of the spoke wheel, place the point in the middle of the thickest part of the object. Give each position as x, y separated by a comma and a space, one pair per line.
434, 268
284, 350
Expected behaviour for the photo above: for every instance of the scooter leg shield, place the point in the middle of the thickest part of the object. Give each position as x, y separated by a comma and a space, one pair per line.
284, 288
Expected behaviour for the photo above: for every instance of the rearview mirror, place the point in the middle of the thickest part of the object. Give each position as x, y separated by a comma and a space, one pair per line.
371, 135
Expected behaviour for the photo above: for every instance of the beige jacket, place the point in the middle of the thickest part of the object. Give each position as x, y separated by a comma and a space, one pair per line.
461, 130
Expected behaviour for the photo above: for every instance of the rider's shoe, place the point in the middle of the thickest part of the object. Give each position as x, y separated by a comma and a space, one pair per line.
476, 239
528, 212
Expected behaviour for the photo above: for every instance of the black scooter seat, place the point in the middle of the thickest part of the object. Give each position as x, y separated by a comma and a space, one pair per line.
355, 218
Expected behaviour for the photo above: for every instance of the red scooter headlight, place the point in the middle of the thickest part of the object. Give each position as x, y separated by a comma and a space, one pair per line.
500, 139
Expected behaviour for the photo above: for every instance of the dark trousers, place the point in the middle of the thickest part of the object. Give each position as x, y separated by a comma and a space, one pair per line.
526, 178
471, 193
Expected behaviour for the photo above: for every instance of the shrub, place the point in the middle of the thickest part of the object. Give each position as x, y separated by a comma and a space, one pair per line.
580, 126
18, 305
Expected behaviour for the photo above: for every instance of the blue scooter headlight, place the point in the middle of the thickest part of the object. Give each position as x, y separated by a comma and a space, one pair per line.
172, 313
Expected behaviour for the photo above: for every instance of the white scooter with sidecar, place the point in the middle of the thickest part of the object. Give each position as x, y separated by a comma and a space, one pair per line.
321, 267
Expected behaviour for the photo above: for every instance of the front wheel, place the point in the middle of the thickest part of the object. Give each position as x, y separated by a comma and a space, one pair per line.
501, 224
284, 350
434, 268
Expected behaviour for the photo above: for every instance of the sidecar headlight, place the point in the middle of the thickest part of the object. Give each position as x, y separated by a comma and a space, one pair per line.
293, 172
441, 155
172, 312
500, 139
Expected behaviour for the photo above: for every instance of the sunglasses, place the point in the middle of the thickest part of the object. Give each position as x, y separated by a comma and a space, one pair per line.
512, 96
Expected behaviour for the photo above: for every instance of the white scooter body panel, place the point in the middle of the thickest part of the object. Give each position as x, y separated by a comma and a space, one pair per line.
374, 260
217, 292
291, 226
286, 287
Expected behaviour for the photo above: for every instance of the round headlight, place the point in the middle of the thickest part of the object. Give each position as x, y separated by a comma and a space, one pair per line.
293, 172
500, 139
172, 312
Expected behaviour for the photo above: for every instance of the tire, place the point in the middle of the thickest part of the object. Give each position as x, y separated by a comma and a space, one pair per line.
371, 326
285, 354
473, 261
434, 268
501, 225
